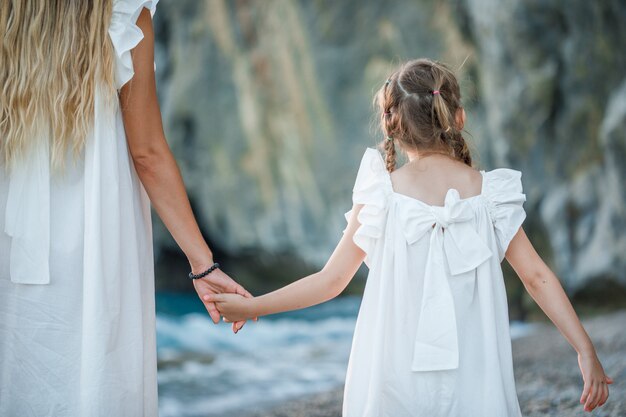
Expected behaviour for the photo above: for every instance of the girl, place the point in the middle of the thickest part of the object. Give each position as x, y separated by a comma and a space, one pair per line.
77, 319
432, 336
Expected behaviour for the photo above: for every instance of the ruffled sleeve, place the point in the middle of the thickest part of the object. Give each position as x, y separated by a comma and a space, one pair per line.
372, 189
125, 35
505, 200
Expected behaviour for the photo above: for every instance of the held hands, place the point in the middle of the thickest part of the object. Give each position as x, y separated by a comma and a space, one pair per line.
596, 389
234, 307
218, 282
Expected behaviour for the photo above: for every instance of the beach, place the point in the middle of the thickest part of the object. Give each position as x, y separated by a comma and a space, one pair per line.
547, 376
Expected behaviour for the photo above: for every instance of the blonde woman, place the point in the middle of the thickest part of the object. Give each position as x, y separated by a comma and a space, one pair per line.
83, 152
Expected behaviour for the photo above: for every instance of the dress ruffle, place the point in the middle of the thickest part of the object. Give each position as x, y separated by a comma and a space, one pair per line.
372, 189
503, 192
125, 35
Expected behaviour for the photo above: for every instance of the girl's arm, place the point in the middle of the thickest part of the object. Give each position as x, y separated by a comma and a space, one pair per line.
158, 171
544, 287
313, 289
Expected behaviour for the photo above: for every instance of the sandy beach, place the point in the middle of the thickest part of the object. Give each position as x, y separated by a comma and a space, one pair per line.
547, 377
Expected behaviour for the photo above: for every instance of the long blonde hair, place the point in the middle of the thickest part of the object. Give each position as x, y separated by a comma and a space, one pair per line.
53, 55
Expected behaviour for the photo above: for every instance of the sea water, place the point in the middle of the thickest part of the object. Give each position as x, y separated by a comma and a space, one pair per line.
206, 370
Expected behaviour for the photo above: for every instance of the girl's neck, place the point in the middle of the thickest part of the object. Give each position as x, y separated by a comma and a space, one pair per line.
417, 155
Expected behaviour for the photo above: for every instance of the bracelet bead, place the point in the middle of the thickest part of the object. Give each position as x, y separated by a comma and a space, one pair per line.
205, 273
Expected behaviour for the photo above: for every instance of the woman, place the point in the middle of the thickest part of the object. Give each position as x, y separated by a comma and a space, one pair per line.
82, 149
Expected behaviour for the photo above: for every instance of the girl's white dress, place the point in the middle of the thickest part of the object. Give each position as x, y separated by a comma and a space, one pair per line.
432, 336
77, 319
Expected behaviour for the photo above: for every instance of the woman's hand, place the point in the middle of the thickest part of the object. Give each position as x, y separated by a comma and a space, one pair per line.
596, 389
234, 307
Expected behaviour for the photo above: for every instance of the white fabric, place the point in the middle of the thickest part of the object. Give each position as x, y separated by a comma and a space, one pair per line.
84, 344
28, 217
432, 337
125, 34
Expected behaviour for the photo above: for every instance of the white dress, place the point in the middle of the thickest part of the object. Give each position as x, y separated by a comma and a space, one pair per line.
432, 336
77, 319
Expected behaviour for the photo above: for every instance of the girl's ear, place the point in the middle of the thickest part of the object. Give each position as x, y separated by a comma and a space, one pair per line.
460, 118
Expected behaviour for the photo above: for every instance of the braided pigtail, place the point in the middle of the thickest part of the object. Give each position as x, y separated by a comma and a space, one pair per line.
445, 126
387, 102
390, 154
446, 105
460, 149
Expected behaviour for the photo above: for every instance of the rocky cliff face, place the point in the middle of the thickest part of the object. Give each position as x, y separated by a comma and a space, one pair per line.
267, 106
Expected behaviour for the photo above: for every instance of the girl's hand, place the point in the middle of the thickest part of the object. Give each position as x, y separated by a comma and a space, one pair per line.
596, 389
234, 307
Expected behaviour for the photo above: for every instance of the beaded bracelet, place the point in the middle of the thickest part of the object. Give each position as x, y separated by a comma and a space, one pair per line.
205, 273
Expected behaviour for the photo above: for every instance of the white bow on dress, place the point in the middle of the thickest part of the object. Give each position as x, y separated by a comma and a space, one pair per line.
455, 249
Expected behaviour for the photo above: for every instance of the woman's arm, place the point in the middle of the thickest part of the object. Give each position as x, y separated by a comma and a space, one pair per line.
158, 171
313, 289
544, 287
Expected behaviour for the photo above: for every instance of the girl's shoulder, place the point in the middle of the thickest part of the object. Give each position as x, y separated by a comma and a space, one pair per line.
501, 184
504, 194
372, 173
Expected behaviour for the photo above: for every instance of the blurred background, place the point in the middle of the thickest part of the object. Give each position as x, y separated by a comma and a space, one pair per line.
267, 106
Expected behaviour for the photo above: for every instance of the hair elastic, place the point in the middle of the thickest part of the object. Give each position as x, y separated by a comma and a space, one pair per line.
435, 92
388, 81
389, 138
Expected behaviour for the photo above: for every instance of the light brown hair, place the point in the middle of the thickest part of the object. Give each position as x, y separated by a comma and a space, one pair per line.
418, 107
53, 55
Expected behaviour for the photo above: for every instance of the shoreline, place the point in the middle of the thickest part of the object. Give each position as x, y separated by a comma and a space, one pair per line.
547, 377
